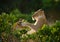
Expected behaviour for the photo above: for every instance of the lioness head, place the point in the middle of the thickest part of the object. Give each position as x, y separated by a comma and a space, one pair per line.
37, 14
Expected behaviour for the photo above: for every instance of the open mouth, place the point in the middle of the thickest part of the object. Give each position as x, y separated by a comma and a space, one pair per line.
33, 19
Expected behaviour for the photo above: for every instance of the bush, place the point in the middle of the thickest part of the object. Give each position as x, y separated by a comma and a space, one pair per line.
46, 34
7, 20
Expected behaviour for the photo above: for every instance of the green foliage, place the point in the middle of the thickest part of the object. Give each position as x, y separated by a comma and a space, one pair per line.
51, 34
46, 34
19, 15
7, 20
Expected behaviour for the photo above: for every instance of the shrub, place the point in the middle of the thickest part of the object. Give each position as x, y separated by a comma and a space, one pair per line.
46, 34
7, 20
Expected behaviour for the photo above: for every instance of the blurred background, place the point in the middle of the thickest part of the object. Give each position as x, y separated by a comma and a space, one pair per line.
51, 7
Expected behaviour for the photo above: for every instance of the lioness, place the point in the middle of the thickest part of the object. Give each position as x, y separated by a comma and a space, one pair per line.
40, 18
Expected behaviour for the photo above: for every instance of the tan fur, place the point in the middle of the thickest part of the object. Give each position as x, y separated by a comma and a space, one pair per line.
18, 25
40, 18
